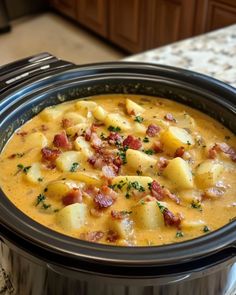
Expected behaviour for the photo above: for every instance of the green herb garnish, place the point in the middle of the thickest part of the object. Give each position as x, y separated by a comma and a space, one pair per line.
114, 129
161, 207
138, 119
40, 179
40, 199
179, 234
146, 139
74, 167
227, 137
196, 204
206, 229
22, 168
139, 172
149, 152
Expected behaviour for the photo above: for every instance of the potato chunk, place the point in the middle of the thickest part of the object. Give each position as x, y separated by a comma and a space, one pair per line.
137, 160
85, 106
36, 139
51, 114
85, 177
189, 195
74, 118
82, 145
179, 173
147, 214
116, 120
175, 137
99, 113
192, 224
207, 173
65, 161
123, 227
34, 173
72, 217
57, 189
78, 129
124, 181
133, 108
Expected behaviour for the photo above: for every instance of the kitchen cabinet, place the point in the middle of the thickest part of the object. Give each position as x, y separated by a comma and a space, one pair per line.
94, 15
67, 7
214, 14
138, 25
172, 20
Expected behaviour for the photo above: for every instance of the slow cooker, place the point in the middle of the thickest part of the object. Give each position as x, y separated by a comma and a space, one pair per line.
38, 261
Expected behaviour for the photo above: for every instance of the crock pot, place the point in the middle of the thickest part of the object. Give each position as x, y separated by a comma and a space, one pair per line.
36, 260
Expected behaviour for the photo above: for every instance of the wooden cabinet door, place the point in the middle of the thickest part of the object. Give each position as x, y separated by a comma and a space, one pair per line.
172, 20
127, 23
67, 7
94, 15
214, 14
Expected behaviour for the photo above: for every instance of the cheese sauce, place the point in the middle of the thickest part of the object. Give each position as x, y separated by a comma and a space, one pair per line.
124, 170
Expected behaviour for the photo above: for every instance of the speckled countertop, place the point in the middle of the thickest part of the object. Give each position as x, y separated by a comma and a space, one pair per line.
213, 54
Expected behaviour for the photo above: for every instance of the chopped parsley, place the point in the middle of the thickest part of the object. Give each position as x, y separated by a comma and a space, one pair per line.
138, 119
130, 186
227, 137
102, 136
146, 139
149, 152
206, 229
188, 142
161, 207
114, 129
41, 200
23, 168
139, 172
179, 234
40, 179
196, 204
74, 167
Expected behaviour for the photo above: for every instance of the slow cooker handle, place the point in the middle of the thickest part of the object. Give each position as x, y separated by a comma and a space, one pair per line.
24, 69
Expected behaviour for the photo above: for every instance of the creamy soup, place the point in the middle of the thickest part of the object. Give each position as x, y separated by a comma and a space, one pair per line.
123, 170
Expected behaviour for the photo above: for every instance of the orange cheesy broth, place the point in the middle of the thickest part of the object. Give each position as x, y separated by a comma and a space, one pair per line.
202, 207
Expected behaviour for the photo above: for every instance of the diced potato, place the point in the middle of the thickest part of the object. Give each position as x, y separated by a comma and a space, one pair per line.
192, 224
137, 160
86, 177
72, 217
124, 180
36, 139
85, 106
82, 145
207, 173
116, 120
139, 128
51, 114
65, 161
147, 214
185, 121
74, 118
189, 195
99, 113
57, 189
123, 227
78, 129
175, 137
133, 108
34, 173
179, 173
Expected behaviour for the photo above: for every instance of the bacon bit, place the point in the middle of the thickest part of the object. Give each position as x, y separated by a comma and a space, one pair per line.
51, 166
222, 147
179, 152
87, 134
105, 197
93, 236
72, 197
156, 190
21, 133
50, 154
112, 236
159, 192
66, 123
152, 130
213, 192
109, 171
132, 142
157, 146
104, 157
162, 163
119, 214
169, 117
170, 219
95, 141
61, 140
114, 138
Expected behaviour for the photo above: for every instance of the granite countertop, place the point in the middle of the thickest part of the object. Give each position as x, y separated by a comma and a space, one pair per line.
213, 54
